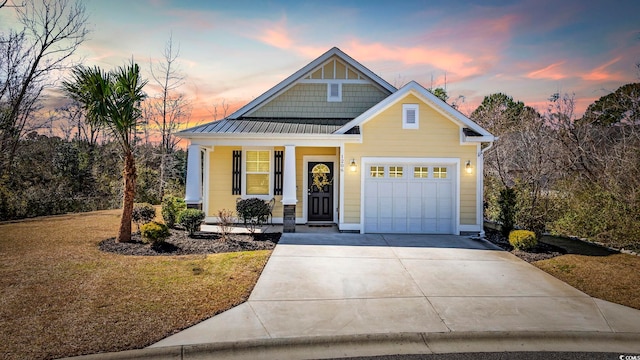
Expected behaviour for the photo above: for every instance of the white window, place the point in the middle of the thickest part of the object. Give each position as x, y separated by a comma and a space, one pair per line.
410, 116
334, 92
376, 171
440, 172
421, 172
257, 172
395, 171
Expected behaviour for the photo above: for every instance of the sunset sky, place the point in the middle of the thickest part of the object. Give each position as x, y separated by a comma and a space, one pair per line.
233, 51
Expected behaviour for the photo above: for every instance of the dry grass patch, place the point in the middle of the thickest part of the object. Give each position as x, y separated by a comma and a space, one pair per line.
61, 296
614, 278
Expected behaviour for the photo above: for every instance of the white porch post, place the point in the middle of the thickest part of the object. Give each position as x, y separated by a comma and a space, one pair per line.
193, 193
289, 197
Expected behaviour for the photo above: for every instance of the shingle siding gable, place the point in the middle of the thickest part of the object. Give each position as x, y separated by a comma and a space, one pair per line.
310, 101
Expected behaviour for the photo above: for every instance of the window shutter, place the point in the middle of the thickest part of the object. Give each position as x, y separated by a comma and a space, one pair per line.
236, 181
411, 116
277, 172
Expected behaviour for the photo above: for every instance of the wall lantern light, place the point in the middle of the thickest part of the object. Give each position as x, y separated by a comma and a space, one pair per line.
353, 166
468, 167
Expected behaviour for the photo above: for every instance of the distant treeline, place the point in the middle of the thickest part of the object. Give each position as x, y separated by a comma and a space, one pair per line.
51, 176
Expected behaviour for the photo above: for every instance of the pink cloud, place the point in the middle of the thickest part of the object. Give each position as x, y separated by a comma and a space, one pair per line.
455, 62
600, 73
276, 35
552, 71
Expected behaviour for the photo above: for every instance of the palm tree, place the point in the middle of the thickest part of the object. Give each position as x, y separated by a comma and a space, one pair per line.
112, 100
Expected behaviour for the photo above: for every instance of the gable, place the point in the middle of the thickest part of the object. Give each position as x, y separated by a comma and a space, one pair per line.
435, 131
333, 85
468, 130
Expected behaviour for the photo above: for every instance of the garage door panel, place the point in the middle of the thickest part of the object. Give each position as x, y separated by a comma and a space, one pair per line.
414, 225
410, 204
430, 209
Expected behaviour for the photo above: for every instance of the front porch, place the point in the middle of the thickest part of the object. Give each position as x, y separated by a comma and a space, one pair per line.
305, 181
276, 228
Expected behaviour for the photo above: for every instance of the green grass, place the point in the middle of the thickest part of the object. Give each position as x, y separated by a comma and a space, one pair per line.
61, 296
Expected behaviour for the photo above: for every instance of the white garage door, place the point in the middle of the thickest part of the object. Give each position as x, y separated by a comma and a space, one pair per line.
409, 198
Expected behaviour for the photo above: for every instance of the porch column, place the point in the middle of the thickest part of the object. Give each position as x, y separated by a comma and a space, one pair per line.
289, 197
193, 193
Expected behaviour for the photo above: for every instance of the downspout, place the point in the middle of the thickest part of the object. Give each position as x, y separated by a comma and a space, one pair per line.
481, 182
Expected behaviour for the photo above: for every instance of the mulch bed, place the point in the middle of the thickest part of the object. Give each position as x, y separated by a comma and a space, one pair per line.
179, 243
542, 251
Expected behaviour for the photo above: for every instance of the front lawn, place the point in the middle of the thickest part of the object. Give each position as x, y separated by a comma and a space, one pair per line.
614, 278
61, 296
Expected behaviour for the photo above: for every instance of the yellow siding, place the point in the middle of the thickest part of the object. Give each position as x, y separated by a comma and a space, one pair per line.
341, 70
220, 169
437, 137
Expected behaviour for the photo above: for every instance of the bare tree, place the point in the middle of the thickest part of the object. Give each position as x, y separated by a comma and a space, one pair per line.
171, 108
53, 31
220, 110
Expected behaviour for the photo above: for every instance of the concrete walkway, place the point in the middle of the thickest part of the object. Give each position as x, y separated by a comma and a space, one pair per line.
326, 287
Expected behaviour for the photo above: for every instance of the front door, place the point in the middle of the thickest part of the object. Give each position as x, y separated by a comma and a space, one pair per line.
320, 191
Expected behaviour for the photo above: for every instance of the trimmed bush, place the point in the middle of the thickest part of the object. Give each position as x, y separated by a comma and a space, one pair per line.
143, 213
254, 212
523, 239
154, 233
172, 206
191, 219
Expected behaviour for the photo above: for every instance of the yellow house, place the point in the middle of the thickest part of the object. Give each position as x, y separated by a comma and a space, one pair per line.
335, 143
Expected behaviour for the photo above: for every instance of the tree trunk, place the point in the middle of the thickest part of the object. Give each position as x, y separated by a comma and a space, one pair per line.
124, 234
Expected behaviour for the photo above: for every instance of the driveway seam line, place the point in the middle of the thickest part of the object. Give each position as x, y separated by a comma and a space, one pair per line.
602, 314
260, 320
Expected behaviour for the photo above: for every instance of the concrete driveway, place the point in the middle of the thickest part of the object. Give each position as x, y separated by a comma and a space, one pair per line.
332, 285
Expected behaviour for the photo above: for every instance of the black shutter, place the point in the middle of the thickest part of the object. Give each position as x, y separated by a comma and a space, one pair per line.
236, 181
277, 171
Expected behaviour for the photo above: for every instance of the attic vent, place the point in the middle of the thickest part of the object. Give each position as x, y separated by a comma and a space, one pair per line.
410, 116
334, 92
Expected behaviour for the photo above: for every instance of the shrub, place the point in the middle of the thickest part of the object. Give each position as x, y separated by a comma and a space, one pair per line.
172, 206
191, 220
143, 213
254, 212
507, 215
154, 233
523, 239
225, 221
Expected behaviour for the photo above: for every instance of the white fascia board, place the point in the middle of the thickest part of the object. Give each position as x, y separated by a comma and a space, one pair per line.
478, 139
427, 97
289, 81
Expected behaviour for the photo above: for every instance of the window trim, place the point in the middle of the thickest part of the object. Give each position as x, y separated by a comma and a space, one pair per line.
268, 196
405, 109
334, 98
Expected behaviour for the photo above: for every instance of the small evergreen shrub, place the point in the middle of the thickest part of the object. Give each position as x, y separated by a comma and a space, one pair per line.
172, 206
154, 233
254, 212
507, 202
191, 219
523, 239
143, 213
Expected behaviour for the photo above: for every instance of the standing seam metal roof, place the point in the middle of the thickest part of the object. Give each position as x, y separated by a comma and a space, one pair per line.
272, 126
